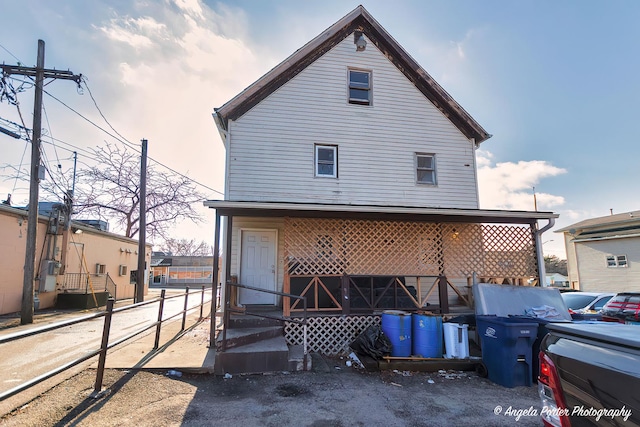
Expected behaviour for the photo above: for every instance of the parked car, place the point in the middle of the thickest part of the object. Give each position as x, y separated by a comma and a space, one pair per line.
623, 307
586, 302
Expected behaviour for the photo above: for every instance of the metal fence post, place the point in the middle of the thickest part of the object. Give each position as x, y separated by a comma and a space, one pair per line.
159, 326
202, 302
97, 389
184, 312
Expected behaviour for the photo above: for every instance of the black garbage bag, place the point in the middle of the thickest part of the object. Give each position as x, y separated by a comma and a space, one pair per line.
372, 342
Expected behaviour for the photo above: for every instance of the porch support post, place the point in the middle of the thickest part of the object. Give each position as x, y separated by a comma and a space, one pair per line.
542, 279
227, 288
214, 284
443, 294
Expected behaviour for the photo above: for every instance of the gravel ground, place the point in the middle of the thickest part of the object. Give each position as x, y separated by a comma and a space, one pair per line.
340, 396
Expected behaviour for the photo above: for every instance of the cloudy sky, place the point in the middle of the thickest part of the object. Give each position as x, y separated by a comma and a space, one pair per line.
554, 82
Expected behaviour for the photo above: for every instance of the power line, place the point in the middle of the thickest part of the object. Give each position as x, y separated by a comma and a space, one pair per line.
9, 52
46, 117
123, 140
84, 80
127, 142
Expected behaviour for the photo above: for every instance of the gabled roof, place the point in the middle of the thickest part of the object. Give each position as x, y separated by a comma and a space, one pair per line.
357, 20
617, 221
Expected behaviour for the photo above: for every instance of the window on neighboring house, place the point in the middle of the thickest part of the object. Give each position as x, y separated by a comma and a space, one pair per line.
327, 161
426, 168
614, 261
359, 87
101, 268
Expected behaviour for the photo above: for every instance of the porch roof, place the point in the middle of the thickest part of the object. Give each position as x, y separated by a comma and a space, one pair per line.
318, 210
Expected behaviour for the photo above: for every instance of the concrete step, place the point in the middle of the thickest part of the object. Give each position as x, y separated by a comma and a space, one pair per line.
269, 355
296, 359
238, 337
247, 321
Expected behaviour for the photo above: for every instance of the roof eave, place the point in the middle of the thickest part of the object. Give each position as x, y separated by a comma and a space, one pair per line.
315, 209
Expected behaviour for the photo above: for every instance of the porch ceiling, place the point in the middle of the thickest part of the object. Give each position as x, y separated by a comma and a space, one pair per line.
405, 213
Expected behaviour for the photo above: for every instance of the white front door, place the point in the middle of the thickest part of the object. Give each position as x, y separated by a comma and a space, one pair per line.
258, 266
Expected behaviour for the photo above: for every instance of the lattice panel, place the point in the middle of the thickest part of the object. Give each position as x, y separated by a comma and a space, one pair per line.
314, 247
372, 247
489, 250
329, 335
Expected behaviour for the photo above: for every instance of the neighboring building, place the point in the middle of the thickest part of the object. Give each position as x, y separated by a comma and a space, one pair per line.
351, 179
92, 259
603, 254
181, 270
557, 280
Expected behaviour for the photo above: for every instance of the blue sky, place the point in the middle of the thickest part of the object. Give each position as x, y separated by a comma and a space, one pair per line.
554, 82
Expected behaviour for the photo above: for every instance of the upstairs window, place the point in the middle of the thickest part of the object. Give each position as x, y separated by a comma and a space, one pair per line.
326, 161
426, 169
614, 261
359, 87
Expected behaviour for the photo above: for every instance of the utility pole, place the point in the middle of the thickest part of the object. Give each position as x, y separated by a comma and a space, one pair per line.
142, 229
40, 73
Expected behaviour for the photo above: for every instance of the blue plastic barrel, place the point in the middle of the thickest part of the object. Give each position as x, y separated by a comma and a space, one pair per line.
396, 325
426, 335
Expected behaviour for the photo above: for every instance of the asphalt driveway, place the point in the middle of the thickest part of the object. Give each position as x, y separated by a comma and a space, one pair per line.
339, 396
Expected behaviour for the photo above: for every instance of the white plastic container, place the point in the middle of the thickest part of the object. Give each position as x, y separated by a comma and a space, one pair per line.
456, 340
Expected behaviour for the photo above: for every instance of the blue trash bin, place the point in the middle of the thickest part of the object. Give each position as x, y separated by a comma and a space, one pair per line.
397, 326
506, 349
427, 337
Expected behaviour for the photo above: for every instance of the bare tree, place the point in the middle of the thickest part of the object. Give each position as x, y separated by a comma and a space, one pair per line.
111, 191
553, 264
184, 247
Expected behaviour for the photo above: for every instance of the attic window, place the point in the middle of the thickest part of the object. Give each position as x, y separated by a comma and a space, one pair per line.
360, 87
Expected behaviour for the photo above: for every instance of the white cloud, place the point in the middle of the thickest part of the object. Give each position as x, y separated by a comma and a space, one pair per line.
509, 185
190, 62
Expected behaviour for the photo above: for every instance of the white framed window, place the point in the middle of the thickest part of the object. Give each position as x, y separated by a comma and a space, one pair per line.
426, 168
101, 268
616, 261
326, 162
359, 87
122, 270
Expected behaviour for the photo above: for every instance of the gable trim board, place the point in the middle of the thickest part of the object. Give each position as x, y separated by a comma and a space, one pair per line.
357, 20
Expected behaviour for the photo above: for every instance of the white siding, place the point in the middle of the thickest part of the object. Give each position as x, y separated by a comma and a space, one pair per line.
572, 261
594, 273
271, 154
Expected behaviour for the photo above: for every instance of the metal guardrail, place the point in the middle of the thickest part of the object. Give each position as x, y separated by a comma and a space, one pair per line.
105, 344
229, 309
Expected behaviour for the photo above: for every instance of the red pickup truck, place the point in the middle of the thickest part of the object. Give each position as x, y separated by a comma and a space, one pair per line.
590, 375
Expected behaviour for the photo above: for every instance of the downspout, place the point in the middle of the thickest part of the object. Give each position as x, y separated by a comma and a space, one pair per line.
474, 148
538, 236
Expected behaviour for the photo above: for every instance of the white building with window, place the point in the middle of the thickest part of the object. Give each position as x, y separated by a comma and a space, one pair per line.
603, 254
351, 181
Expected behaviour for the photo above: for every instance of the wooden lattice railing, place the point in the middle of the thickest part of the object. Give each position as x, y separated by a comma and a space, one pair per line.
373, 247
317, 249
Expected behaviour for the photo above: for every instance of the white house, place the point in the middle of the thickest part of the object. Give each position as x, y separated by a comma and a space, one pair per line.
351, 180
558, 280
603, 253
